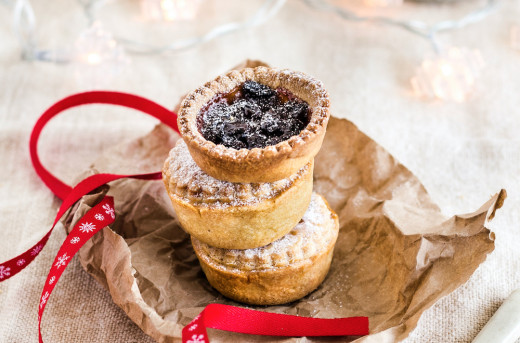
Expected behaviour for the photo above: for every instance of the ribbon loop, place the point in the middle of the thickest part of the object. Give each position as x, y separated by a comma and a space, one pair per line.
66, 193
58, 187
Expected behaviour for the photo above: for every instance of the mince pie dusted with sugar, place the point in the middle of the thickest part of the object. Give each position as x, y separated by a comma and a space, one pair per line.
240, 182
280, 272
234, 215
255, 125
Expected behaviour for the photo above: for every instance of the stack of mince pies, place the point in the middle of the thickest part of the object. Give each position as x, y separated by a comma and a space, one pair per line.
240, 182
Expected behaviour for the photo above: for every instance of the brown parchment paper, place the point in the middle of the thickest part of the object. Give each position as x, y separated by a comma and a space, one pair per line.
396, 254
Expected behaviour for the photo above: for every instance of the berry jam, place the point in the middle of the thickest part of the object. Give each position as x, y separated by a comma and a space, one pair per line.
253, 116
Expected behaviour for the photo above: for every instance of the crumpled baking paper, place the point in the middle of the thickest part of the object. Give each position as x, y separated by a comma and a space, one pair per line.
396, 254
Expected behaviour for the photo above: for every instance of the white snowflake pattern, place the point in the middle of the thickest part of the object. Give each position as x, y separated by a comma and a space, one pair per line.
51, 280
74, 240
20, 262
99, 216
193, 327
62, 260
36, 250
197, 339
4, 271
44, 299
87, 227
109, 210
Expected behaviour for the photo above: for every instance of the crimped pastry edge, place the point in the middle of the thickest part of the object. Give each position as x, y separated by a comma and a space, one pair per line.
278, 261
247, 193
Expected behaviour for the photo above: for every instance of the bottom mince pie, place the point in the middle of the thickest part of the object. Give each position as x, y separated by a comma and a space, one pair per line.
280, 272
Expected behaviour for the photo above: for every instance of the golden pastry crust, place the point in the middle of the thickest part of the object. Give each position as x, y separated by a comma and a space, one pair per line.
280, 272
259, 164
233, 215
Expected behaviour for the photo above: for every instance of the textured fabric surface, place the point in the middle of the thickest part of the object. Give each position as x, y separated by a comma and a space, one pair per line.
463, 153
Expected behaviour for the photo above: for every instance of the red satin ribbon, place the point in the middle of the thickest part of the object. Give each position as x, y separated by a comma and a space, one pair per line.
98, 97
237, 319
222, 317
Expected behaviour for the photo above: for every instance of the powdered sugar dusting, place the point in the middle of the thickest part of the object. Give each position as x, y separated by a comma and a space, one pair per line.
187, 181
309, 237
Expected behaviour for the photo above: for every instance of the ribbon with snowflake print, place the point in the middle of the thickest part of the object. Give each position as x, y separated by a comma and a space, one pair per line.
222, 317
60, 189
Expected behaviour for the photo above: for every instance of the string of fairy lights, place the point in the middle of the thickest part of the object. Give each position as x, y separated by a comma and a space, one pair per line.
449, 74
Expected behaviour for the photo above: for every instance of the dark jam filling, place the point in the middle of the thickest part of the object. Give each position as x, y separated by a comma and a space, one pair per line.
253, 116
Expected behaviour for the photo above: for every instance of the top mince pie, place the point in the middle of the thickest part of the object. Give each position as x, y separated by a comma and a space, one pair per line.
255, 125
